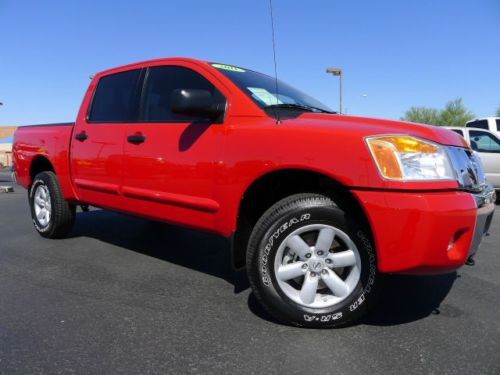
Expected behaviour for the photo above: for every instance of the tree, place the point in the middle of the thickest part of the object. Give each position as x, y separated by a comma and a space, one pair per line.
453, 114
498, 112
422, 115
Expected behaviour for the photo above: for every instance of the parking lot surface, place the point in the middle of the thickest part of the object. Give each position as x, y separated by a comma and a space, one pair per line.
127, 295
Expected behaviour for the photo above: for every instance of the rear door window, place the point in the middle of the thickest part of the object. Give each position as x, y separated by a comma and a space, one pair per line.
482, 124
498, 125
484, 142
116, 98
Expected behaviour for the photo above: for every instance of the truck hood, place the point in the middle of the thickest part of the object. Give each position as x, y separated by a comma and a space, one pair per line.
364, 126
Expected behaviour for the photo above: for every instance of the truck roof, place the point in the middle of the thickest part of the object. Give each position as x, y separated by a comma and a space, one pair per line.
144, 63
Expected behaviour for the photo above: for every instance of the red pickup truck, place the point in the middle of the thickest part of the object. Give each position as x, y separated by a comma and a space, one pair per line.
316, 205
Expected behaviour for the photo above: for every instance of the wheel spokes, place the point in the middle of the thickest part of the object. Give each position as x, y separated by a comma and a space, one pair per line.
43, 194
325, 239
39, 201
309, 287
345, 258
308, 273
338, 287
298, 245
41, 214
291, 271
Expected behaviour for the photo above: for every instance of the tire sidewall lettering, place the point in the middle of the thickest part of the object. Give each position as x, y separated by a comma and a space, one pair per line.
372, 269
264, 260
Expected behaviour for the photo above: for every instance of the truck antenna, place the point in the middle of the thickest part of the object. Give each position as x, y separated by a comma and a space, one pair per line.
276, 113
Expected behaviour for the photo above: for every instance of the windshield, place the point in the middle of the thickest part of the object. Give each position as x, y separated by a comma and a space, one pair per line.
262, 89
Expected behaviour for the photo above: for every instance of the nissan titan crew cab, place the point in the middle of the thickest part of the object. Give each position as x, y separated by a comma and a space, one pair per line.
316, 205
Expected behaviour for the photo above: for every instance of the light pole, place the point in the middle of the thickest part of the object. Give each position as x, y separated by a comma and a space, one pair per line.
337, 72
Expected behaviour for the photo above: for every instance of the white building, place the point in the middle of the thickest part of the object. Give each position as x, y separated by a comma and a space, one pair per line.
5, 154
6, 138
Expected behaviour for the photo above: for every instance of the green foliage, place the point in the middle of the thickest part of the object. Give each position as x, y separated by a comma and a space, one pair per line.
453, 114
498, 112
422, 115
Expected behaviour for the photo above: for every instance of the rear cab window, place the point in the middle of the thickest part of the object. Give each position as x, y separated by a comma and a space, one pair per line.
458, 131
116, 98
481, 124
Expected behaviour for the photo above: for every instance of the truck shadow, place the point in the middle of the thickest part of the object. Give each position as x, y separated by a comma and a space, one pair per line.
202, 252
408, 298
404, 298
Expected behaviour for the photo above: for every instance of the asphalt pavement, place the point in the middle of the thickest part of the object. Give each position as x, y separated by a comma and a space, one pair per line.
123, 295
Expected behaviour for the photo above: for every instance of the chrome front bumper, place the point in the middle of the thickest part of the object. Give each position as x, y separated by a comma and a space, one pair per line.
485, 202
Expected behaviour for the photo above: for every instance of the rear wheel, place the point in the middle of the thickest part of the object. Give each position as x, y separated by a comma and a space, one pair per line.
53, 217
310, 263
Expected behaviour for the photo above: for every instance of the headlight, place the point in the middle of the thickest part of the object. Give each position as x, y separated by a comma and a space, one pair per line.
406, 158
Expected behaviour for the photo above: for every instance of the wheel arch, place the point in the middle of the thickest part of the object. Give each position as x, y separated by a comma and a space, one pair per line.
273, 186
40, 164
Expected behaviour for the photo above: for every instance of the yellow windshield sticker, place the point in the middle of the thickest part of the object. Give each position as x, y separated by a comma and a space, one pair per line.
228, 67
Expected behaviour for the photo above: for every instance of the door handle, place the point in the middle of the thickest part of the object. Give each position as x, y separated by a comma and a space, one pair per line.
136, 139
82, 136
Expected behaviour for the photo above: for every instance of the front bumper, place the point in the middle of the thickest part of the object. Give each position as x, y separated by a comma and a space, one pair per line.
425, 233
485, 202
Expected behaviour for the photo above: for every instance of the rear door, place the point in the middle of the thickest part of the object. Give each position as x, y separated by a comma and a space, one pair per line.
171, 160
488, 147
97, 147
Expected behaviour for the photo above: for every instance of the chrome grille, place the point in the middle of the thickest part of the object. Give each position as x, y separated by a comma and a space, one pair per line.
468, 169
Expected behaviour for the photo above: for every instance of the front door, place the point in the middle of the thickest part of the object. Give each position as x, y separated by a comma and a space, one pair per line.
170, 160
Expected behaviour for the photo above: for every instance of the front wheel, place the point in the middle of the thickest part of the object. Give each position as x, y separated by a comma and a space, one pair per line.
53, 217
311, 264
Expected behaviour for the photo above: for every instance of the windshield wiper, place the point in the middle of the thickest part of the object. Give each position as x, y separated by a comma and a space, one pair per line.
298, 106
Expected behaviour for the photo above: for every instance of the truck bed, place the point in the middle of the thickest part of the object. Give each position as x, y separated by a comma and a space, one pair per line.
34, 143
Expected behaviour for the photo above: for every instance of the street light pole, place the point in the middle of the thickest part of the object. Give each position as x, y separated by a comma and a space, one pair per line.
337, 72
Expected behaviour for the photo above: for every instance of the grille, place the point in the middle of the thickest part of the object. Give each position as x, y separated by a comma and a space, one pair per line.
468, 169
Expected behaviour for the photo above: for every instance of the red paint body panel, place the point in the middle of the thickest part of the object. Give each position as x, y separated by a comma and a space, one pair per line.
196, 175
420, 232
50, 142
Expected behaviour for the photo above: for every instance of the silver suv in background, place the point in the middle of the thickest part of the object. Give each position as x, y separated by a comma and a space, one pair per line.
487, 145
488, 123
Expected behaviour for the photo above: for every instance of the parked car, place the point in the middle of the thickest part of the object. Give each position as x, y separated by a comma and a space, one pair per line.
488, 123
316, 205
487, 145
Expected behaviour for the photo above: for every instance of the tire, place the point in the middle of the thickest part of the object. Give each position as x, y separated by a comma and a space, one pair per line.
350, 257
45, 196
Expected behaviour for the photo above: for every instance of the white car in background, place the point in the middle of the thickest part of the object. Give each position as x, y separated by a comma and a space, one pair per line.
487, 145
488, 123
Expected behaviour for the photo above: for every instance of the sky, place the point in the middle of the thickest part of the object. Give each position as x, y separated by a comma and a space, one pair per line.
395, 54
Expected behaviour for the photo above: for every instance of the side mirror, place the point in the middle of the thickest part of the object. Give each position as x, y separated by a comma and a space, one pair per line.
197, 103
